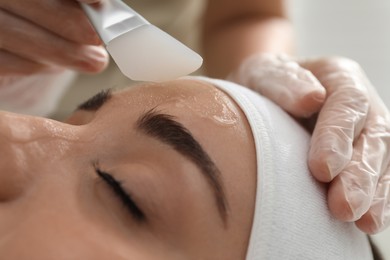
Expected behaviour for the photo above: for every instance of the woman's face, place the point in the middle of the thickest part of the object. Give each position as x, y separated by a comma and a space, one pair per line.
157, 171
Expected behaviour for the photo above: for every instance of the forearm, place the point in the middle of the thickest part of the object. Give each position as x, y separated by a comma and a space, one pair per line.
227, 44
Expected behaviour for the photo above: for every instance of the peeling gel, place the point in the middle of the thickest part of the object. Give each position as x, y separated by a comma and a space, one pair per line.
142, 51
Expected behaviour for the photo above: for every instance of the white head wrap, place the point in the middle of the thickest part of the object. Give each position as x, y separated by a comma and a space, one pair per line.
291, 219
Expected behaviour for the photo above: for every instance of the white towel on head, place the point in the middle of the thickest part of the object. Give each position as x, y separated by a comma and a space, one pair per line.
291, 218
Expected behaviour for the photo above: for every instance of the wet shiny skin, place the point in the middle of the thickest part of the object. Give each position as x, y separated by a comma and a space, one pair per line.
54, 206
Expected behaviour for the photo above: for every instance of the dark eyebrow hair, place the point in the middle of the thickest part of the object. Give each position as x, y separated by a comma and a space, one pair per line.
167, 130
95, 102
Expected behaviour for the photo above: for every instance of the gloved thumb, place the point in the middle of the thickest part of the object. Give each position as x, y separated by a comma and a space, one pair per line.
281, 79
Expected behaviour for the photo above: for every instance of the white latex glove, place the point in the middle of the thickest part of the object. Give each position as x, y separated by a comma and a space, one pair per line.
39, 34
351, 139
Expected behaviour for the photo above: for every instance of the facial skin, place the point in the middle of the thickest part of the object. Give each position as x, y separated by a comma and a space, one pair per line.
56, 201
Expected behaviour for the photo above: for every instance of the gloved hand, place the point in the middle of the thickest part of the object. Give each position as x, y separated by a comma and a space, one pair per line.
351, 139
37, 34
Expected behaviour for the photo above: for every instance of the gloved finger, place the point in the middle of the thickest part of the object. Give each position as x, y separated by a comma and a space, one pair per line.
341, 119
64, 18
37, 44
283, 81
12, 65
378, 216
352, 191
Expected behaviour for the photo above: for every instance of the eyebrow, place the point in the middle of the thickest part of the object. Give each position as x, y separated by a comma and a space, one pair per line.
97, 101
166, 129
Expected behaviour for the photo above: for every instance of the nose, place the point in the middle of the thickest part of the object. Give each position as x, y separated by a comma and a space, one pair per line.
27, 144
26, 129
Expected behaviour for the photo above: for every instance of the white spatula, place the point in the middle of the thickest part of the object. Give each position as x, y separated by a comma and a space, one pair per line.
142, 51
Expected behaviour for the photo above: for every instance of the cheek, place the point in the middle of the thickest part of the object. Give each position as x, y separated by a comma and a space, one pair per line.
53, 237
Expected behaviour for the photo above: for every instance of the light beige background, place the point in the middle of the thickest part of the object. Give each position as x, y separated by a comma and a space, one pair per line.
358, 29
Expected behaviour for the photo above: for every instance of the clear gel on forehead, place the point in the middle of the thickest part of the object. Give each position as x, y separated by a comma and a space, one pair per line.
219, 109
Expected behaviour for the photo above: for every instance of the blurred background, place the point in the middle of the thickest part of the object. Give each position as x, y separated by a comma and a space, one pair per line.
357, 29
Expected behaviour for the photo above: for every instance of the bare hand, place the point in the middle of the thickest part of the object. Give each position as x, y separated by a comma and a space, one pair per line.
37, 35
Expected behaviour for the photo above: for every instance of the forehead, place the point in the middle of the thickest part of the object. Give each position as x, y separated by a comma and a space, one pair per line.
195, 100
193, 91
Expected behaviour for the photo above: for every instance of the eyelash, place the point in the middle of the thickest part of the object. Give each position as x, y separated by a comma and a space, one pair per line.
120, 192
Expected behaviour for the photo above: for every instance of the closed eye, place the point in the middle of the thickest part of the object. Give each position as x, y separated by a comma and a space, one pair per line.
120, 192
